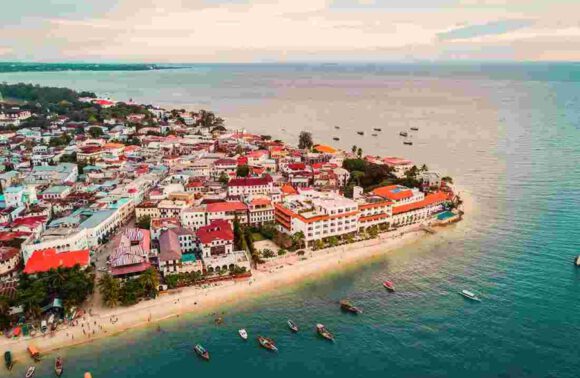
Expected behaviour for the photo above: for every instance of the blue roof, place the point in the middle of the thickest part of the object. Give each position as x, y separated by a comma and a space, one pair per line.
97, 218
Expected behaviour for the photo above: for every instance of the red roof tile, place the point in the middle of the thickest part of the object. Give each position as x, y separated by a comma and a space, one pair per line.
43, 261
225, 206
250, 181
393, 192
430, 199
219, 229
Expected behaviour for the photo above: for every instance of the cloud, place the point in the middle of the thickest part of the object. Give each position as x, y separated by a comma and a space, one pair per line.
490, 28
250, 31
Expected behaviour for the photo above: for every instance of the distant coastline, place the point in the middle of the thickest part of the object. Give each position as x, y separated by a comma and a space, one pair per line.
10, 67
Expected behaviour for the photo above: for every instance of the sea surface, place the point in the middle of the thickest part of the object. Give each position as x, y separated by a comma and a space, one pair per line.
510, 137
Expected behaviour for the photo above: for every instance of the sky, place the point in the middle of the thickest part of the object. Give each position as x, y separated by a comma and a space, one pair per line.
190, 31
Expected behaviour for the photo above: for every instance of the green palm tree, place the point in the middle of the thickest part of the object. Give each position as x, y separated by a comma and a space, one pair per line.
298, 239
149, 281
110, 289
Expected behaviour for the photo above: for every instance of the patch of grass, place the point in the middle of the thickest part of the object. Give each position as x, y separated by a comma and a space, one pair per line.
257, 236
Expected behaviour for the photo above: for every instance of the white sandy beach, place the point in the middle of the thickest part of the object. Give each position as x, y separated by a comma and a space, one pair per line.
280, 273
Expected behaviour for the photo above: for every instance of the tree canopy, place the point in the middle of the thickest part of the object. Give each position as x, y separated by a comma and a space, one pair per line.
305, 140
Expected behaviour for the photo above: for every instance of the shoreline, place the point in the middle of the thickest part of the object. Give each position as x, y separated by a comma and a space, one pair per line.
278, 273
203, 299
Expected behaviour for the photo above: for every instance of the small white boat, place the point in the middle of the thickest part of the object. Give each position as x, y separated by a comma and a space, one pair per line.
243, 334
469, 295
577, 261
30, 372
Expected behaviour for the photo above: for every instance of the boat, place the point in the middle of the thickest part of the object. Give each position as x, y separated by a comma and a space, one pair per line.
377, 129
30, 371
415, 128
469, 295
360, 132
403, 133
347, 306
34, 353
267, 343
322, 331
58, 366
292, 326
201, 352
577, 261
336, 138
243, 334
375, 135
337, 127
8, 360
408, 143
389, 285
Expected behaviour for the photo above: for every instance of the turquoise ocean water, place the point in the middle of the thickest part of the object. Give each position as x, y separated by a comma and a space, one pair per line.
508, 134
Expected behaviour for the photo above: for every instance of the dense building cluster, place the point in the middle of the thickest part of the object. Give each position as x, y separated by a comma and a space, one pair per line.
158, 189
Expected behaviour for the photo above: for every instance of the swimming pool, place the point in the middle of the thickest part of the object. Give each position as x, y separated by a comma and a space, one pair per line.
445, 215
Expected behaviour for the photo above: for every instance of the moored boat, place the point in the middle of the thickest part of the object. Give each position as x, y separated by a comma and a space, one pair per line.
347, 306
243, 334
34, 353
469, 295
403, 133
325, 333
267, 343
336, 138
415, 128
58, 366
201, 352
337, 127
375, 135
360, 132
377, 129
408, 143
292, 326
389, 285
8, 360
577, 261
30, 371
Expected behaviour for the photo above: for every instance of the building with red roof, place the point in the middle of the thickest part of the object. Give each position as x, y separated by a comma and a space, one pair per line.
418, 211
250, 185
44, 260
227, 210
399, 194
217, 238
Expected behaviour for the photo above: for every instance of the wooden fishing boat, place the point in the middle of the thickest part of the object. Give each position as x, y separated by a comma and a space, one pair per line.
349, 307
337, 127
336, 138
389, 285
201, 352
403, 134
267, 343
377, 129
34, 353
58, 366
415, 128
408, 143
243, 334
325, 333
360, 132
30, 372
8, 360
293, 326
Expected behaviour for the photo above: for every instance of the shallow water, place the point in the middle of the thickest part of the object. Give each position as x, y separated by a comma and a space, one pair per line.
509, 135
